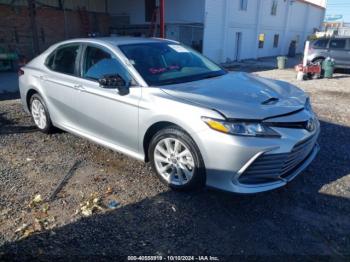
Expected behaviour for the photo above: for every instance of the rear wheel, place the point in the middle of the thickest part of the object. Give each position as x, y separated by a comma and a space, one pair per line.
40, 114
176, 159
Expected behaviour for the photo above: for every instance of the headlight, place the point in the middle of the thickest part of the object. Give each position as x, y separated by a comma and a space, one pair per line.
241, 128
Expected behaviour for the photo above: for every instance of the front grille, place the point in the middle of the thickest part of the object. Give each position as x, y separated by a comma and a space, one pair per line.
271, 167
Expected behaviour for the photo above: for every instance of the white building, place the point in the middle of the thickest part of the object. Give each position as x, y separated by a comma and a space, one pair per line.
228, 29
231, 29
223, 30
257, 28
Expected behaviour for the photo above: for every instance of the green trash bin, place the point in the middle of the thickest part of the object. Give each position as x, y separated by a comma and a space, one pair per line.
328, 67
281, 62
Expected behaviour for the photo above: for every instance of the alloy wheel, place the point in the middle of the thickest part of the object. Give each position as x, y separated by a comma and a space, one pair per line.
38, 113
174, 161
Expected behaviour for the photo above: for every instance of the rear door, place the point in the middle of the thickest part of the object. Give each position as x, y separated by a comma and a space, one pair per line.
60, 82
339, 52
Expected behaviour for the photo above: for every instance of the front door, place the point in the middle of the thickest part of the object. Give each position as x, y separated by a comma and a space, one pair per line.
103, 113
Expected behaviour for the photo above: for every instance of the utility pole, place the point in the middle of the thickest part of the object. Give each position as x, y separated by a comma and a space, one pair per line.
161, 18
32, 13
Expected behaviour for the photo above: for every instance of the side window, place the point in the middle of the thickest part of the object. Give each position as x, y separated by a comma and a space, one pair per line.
63, 59
337, 44
322, 43
99, 62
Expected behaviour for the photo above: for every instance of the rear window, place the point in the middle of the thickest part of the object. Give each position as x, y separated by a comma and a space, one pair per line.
63, 60
321, 43
337, 44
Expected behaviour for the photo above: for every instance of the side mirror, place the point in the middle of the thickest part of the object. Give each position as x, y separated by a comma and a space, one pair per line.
115, 82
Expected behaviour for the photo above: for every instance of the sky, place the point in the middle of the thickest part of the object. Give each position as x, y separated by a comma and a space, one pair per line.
339, 7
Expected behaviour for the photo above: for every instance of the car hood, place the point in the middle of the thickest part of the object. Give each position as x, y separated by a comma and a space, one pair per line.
241, 95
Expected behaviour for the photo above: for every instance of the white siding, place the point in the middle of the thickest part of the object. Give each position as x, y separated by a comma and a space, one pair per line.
294, 21
214, 28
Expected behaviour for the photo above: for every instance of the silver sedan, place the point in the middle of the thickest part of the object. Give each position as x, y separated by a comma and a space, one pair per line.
162, 102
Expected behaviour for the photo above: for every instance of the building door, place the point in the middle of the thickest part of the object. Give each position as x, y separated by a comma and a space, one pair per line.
238, 45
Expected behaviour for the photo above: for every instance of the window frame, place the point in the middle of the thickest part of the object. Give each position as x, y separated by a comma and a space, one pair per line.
76, 63
134, 82
243, 5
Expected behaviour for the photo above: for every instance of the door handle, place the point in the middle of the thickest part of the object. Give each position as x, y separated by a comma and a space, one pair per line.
79, 87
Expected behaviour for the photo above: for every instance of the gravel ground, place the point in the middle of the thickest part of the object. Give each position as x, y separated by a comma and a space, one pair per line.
309, 217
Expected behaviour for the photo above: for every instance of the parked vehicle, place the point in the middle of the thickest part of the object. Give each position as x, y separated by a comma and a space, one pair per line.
162, 102
336, 48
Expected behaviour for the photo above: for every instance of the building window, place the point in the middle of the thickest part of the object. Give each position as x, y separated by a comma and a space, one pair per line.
243, 5
150, 8
261, 40
274, 7
276, 39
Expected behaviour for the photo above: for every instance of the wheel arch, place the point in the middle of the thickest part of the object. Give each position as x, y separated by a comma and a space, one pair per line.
318, 58
29, 95
152, 130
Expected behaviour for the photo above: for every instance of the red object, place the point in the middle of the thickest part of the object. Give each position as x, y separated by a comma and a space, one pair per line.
313, 69
161, 17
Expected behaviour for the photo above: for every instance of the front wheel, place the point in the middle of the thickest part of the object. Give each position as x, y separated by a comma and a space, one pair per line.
176, 159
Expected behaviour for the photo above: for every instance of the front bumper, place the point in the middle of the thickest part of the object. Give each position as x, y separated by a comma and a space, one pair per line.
251, 165
281, 180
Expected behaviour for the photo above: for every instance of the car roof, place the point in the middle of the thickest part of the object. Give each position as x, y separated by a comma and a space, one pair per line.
332, 38
119, 40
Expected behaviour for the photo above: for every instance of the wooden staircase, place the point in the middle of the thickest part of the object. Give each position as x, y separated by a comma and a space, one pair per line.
84, 20
154, 24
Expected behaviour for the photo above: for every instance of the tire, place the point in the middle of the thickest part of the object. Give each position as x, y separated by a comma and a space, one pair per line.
318, 76
185, 171
40, 114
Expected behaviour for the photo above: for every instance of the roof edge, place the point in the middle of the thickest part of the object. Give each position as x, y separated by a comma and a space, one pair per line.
313, 4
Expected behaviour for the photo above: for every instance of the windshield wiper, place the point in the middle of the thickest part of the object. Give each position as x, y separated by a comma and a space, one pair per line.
210, 76
189, 79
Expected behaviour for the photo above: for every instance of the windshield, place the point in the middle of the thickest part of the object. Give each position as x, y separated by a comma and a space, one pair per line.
168, 63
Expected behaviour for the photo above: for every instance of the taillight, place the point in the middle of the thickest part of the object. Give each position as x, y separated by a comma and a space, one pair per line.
20, 72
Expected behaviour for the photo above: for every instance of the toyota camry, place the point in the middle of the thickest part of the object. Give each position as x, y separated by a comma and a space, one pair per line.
164, 103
